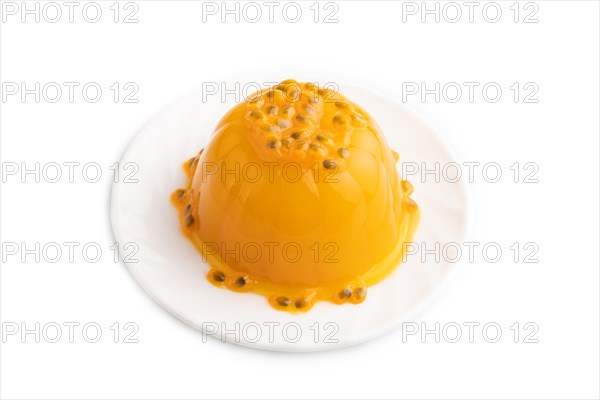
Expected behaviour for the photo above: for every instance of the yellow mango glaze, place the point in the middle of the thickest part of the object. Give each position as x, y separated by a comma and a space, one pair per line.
297, 198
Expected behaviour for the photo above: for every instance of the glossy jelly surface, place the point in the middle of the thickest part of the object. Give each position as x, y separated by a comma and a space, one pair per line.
297, 198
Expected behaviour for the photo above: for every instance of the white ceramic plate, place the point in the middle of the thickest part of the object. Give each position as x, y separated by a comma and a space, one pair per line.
172, 272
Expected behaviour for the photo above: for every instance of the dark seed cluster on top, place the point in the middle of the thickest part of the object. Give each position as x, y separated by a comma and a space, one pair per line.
292, 123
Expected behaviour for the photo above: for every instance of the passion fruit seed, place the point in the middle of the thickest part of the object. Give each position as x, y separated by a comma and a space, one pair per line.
341, 105
302, 145
256, 114
187, 209
193, 161
410, 202
218, 276
266, 127
293, 93
345, 294
329, 164
287, 111
179, 193
360, 292
189, 220
300, 303
287, 142
241, 281
301, 118
299, 134
283, 301
314, 146
272, 144
283, 123
271, 110
358, 120
344, 153
338, 119
255, 99
407, 187
324, 140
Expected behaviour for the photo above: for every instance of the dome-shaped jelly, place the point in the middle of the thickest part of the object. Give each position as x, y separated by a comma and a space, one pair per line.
297, 198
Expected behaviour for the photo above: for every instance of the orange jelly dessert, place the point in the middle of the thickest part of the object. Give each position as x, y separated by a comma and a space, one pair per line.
297, 198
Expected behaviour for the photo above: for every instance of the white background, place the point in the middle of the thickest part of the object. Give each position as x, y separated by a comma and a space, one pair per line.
171, 51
